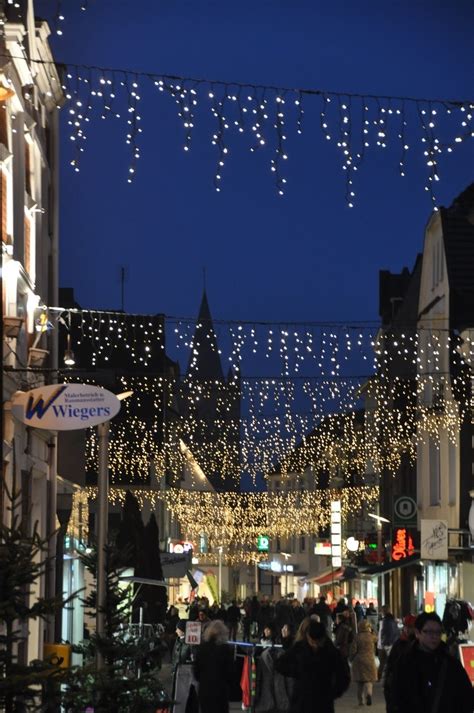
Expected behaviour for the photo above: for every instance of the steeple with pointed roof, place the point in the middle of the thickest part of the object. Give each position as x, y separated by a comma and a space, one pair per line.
205, 362
217, 413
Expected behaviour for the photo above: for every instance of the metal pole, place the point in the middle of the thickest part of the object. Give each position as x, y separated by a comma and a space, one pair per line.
256, 577
220, 575
379, 561
102, 517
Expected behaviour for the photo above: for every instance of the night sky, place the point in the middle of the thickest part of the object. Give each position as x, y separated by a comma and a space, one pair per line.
301, 256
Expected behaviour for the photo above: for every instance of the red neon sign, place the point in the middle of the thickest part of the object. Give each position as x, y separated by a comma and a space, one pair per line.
402, 545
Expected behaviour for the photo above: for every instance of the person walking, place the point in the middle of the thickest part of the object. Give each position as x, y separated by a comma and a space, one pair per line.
321, 673
358, 611
372, 617
233, 618
344, 633
183, 691
398, 649
181, 650
213, 669
364, 668
324, 613
273, 690
427, 678
387, 636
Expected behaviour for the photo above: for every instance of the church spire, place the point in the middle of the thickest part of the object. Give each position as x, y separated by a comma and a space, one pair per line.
205, 362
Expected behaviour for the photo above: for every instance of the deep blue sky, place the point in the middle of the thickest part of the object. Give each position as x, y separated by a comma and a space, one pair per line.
304, 256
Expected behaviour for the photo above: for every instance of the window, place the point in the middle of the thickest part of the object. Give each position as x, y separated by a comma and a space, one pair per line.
3, 126
452, 475
435, 474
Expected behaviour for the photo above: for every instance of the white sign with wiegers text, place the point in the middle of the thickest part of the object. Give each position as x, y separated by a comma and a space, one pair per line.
65, 407
193, 632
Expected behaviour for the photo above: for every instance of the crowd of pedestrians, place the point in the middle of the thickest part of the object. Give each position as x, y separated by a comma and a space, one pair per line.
308, 653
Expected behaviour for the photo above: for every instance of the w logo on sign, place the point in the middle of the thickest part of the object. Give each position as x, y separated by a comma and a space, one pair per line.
40, 407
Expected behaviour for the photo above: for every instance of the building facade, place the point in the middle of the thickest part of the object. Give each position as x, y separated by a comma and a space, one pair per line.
30, 98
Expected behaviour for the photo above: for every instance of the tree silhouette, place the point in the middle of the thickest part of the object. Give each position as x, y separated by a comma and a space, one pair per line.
24, 561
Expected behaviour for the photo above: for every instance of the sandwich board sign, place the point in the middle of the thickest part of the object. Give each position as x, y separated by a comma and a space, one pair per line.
193, 632
65, 407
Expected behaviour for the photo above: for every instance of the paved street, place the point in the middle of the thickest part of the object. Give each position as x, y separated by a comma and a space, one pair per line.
348, 702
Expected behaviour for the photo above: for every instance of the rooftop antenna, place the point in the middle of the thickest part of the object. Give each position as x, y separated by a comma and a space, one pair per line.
204, 279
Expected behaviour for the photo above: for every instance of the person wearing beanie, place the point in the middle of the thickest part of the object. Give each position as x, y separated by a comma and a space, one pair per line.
181, 650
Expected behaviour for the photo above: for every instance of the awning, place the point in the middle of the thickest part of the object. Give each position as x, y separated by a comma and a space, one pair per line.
389, 566
328, 576
341, 574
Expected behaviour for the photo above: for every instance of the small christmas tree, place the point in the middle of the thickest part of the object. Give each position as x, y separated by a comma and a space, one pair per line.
127, 681
24, 561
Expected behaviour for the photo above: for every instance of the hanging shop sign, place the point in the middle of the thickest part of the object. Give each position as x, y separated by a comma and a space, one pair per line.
336, 533
263, 543
404, 511
322, 548
402, 544
180, 546
65, 407
434, 540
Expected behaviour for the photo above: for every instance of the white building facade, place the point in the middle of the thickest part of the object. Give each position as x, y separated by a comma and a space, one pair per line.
30, 97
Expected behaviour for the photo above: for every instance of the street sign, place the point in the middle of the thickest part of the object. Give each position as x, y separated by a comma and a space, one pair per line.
263, 543
404, 511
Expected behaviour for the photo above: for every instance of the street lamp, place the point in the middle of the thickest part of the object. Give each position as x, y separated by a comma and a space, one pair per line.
380, 519
287, 556
220, 549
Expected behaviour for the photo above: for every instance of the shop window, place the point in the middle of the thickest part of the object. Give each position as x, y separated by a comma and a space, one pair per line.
3, 126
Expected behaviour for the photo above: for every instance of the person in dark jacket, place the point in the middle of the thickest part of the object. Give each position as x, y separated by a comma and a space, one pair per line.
323, 611
213, 669
400, 647
232, 620
427, 677
181, 650
344, 633
273, 690
321, 673
388, 633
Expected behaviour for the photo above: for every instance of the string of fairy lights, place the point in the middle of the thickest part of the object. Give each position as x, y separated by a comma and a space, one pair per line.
287, 422
328, 349
234, 520
266, 117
